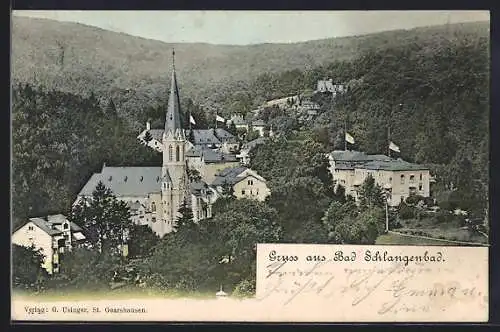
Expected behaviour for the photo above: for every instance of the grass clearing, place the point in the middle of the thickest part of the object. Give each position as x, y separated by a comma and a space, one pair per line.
397, 239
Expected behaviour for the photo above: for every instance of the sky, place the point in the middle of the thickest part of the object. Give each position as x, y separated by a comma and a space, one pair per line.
254, 27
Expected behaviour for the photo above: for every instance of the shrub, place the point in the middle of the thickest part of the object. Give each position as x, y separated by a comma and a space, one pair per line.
414, 199
406, 212
244, 288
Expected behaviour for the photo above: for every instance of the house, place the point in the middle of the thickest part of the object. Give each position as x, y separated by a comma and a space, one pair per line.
244, 155
239, 121
53, 234
259, 125
244, 182
163, 189
399, 178
328, 86
208, 162
154, 136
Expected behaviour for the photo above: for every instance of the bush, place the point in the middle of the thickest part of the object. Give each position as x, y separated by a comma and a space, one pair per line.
244, 288
414, 199
406, 212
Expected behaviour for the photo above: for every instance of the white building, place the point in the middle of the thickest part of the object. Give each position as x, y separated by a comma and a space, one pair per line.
53, 234
245, 183
402, 179
328, 86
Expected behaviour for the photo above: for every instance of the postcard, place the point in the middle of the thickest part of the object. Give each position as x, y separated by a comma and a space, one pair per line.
250, 166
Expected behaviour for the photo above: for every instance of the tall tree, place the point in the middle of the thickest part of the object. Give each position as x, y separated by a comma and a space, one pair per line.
105, 218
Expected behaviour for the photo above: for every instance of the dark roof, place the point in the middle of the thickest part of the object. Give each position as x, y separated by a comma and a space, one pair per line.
250, 145
353, 159
394, 165
228, 175
205, 137
210, 155
173, 117
157, 134
126, 181
48, 226
196, 188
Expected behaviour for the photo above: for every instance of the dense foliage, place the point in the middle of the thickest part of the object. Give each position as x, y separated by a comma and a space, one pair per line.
27, 271
59, 140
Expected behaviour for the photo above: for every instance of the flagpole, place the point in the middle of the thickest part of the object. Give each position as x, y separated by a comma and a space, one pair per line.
389, 140
216, 120
345, 134
190, 119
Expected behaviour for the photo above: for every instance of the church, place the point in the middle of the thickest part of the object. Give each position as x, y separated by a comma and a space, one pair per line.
154, 194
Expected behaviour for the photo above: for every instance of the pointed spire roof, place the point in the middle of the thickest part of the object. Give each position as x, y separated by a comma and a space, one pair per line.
173, 119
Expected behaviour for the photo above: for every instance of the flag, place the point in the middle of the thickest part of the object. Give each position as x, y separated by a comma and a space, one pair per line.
394, 147
191, 119
219, 118
349, 138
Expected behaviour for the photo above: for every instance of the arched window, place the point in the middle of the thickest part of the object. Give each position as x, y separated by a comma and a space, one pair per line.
170, 152
153, 207
177, 153
402, 179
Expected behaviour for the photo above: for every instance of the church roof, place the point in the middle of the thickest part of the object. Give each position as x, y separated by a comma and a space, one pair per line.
173, 118
126, 181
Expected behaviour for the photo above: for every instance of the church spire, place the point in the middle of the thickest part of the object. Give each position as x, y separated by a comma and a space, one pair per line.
173, 119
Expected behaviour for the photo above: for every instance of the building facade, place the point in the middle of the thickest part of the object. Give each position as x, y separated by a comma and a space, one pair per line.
244, 182
53, 234
400, 179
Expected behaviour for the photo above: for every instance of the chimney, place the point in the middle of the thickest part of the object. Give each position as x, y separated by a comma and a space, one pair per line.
148, 125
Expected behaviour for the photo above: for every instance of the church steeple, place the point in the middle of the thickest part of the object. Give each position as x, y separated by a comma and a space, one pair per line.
173, 119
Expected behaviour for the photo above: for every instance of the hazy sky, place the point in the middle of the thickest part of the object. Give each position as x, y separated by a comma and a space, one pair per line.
251, 27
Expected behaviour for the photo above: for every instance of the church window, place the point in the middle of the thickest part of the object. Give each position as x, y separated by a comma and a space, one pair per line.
170, 152
243, 192
250, 182
153, 207
420, 187
177, 153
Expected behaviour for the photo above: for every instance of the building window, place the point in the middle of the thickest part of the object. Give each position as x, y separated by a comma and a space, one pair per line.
420, 176
243, 192
30, 228
153, 219
412, 178
250, 182
251, 193
420, 187
390, 179
177, 153
65, 226
402, 179
170, 152
56, 265
153, 207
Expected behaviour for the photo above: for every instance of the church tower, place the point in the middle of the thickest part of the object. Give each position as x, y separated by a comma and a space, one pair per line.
174, 173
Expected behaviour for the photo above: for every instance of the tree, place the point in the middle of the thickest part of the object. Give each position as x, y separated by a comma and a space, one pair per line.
87, 268
347, 225
104, 218
27, 270
186, 218
370, 194
193, 174
142, 241
148, 137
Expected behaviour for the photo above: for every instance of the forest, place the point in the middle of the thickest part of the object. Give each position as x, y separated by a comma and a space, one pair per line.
433, 94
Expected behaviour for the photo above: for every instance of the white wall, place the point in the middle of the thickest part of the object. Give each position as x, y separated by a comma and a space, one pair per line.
29, 235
